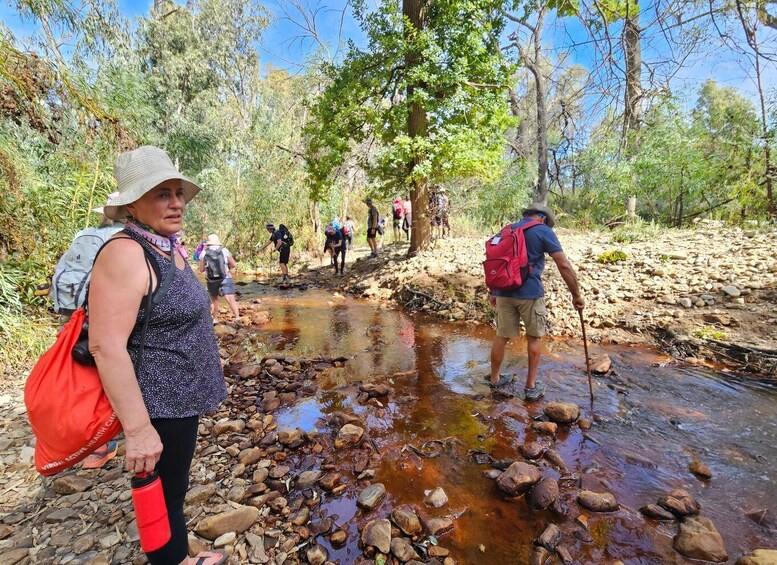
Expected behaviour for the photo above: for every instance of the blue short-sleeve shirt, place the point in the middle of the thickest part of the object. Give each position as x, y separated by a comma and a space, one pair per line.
539, 241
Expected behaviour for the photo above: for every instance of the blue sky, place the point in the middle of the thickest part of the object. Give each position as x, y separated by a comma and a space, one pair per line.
282, 46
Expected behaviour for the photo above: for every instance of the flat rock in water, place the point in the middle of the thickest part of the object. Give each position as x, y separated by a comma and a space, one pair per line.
562, 412
697, 538
700, 469
308, 479
317, 555
377, 533
437, 526
539, 556
655, 512
349, 435
601, 364
436, 498
543, 494
371, 496
238, 520
533, 449
550, 537
680, 503
597, 501
545, 428
406, 521
518, 478
403, 549
759, 557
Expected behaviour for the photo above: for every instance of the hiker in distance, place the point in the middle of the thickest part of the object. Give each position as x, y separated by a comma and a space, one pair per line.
373, 219
335, 245
281, 240
216, 262
527, 302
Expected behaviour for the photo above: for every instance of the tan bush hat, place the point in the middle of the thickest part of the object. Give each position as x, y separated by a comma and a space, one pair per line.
213, 241
532, 208
137, 172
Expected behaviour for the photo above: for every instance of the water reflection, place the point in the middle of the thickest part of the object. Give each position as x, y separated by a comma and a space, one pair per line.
651, 422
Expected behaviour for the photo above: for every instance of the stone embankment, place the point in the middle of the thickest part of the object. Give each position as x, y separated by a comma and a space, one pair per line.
707, 292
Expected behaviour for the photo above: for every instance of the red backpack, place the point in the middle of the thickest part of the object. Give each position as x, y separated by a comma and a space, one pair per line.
507, 263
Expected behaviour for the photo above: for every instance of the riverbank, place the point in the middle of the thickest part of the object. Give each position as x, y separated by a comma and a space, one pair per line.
706, 293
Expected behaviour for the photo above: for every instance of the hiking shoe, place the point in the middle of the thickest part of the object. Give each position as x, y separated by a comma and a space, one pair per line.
503, 380
535, 393
101, 456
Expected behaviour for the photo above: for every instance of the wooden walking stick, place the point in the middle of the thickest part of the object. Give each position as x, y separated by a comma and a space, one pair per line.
587, 360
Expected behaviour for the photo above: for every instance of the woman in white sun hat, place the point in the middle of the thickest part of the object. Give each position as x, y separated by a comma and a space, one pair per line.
159, 398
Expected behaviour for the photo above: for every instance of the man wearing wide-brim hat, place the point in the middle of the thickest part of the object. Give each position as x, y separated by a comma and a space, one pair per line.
527, 303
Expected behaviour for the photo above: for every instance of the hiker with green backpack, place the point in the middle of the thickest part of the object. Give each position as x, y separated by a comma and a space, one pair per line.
216, 262
281, 240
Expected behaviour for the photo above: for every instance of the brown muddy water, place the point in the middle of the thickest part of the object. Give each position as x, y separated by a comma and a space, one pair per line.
651, 418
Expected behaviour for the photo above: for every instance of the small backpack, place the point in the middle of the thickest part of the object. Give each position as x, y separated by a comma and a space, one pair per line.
398, 210
346, 229
288, 239
74, 269
214, 264
507, 263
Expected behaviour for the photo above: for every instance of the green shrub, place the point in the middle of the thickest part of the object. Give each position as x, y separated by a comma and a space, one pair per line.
612, 256
708, 332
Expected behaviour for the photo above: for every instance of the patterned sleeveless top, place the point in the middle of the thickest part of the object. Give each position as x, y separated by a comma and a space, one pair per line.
181, 375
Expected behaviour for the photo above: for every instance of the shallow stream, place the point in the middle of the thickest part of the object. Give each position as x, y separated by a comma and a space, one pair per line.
651, 418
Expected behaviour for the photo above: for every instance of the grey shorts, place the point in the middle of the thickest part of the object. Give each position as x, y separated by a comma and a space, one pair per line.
222, 287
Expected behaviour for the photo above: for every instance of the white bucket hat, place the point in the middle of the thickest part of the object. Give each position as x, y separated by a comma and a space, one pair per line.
213, 241
139, 171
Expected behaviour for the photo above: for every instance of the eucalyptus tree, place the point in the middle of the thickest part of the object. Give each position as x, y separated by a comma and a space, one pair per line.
429, 88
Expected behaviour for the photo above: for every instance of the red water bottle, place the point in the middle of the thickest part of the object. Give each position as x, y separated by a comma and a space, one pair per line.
150, 511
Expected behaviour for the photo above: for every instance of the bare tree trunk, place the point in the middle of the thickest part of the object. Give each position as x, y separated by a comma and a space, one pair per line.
769, 172
632, 48
535, 67
751, 33
414, 11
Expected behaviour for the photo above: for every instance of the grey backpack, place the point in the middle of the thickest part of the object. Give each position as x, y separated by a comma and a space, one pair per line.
71, 277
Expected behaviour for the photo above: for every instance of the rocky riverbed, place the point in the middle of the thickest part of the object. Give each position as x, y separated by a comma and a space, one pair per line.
709, 292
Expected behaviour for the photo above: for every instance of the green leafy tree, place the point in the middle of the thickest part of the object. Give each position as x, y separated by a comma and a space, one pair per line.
429, 89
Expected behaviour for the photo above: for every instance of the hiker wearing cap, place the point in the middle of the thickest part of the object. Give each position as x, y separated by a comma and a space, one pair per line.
527, 303
281, 241
159, 384
373, 223
216, 261
335, 246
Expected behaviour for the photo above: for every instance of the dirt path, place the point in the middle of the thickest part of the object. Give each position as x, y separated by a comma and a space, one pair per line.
707, 293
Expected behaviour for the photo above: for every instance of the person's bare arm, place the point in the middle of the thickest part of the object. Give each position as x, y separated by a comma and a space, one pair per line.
570, 278
232, 263
202, 264
118, 283
278, 245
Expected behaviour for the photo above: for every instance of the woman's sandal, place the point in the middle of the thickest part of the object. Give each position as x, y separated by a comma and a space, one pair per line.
202, 558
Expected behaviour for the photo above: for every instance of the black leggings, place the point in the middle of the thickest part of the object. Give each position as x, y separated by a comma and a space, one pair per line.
179, 436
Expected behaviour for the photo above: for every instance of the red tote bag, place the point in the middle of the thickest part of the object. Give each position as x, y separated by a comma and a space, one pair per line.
67, 407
